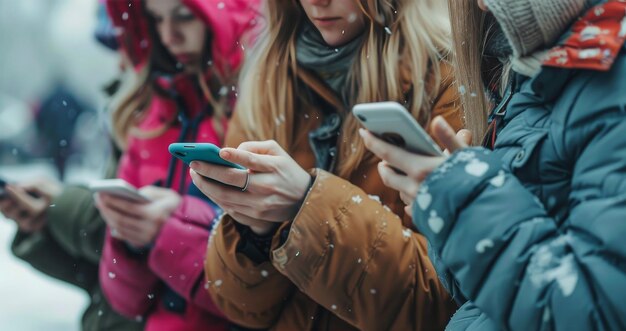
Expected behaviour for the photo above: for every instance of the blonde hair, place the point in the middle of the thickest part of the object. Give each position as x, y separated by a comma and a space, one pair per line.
129, 109
403, 39
470, 32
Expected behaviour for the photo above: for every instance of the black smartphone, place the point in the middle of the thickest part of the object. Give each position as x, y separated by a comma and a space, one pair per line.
3, 192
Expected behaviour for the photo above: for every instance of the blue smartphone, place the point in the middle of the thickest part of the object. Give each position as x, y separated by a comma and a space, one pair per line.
204, 152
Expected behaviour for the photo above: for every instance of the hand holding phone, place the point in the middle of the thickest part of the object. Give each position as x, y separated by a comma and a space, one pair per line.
119, 188
204, 152
392, 122
26, 204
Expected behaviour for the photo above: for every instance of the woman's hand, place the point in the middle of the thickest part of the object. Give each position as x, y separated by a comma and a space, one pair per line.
27, 203
275, 187
138, 223
414, 168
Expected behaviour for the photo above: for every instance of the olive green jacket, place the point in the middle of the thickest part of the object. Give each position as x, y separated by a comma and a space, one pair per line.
69, 249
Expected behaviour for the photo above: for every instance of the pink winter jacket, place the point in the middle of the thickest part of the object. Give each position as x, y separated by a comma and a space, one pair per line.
132, 283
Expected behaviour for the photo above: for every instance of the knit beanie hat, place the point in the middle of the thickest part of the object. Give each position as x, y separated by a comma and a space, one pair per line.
533, 24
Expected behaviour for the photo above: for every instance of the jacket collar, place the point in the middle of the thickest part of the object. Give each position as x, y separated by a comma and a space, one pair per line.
594, 41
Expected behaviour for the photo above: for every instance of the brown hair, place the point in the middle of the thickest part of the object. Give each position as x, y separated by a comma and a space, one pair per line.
418, 41
470, 32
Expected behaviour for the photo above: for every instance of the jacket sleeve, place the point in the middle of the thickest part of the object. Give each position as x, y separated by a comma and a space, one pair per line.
126, 281
45, 254
70, 246
178, 254
251, 295
342, 249
524, 270
76, 224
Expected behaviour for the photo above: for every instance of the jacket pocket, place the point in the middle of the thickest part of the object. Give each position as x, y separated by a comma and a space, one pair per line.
527, 150
518, 145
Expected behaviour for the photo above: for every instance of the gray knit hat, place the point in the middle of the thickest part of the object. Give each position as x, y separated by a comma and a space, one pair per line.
532, 24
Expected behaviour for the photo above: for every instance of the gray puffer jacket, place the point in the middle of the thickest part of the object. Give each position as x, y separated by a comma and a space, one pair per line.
533, 233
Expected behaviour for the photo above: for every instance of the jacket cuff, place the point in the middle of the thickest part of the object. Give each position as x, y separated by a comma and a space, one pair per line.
298, 253
227, 245
258, 248
255, 247
232, 275
450, 187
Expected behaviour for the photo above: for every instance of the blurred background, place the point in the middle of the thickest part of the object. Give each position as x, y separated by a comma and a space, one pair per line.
52, 78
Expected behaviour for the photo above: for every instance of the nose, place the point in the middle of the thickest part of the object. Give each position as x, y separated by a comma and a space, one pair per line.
170, 36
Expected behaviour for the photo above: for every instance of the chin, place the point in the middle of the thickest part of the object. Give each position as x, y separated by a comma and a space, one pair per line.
334, 41
191, 68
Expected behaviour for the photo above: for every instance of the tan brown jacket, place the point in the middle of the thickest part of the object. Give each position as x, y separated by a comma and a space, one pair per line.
349, 262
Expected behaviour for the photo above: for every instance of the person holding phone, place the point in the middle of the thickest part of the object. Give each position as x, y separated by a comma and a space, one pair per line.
528, 230
60, 233
313, 250
187, 55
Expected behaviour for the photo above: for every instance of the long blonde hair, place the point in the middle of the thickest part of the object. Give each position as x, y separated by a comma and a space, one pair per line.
470, 32
400, 35
130, 107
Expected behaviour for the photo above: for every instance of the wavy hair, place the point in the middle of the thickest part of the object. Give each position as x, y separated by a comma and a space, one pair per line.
404, 41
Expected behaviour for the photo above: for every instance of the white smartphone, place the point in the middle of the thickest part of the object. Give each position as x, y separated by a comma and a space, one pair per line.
392, 122
119, 188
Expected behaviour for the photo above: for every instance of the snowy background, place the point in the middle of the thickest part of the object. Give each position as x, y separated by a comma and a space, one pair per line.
43, 42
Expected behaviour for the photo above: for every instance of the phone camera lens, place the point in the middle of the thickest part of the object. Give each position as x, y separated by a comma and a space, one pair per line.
362, 118
181, 154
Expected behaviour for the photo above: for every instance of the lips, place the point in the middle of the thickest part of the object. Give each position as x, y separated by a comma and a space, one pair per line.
184, 58
325, 21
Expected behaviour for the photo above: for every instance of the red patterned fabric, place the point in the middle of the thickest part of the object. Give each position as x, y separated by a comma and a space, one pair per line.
595, 41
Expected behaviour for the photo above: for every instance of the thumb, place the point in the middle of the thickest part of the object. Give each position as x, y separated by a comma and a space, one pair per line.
268, 147
260, 156
444, 133
249, 160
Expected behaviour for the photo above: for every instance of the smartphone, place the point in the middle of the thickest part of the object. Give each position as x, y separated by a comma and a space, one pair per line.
204, 152
119, 188
3, 192
392, 122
